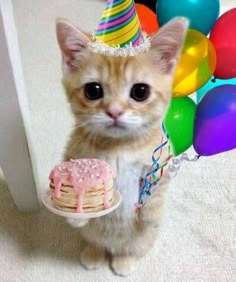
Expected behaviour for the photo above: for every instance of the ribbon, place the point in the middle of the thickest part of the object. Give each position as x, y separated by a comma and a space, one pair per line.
152, 181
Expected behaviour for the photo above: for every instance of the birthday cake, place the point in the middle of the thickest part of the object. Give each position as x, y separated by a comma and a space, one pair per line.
83, 185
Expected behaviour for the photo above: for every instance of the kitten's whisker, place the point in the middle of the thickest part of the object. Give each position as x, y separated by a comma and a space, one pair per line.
83, 124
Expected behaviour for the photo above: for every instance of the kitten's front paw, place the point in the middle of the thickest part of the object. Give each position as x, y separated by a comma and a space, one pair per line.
124, 265
77, 223
92, 258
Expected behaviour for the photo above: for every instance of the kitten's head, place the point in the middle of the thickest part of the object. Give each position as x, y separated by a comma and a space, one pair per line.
120, 97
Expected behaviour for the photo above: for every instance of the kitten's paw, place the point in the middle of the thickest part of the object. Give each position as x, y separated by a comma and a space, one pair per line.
92, 258
124, 265
77, 223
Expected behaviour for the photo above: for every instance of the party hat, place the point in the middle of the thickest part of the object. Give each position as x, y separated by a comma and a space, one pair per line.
119, 31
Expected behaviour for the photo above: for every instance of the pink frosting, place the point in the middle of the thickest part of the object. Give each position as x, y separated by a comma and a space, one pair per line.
83, 174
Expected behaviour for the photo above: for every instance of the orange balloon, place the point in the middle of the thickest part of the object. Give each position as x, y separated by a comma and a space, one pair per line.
147, 18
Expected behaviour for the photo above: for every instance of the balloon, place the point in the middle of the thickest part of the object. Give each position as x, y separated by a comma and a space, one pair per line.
214, 129
212, 82
201, 13
178, 122
223, 37
196, 64
147, 18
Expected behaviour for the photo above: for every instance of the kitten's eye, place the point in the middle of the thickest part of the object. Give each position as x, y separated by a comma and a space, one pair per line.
93, 91
140, 92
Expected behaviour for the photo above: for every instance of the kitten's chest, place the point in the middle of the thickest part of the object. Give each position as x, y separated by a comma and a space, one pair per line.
127, 181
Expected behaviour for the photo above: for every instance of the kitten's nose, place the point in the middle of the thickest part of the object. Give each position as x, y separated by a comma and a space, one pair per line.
114, 112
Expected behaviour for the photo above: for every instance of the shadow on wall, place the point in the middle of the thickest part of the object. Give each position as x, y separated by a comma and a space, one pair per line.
37, 234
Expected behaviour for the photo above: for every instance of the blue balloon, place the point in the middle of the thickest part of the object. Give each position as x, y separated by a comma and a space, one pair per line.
201, 13
212, 83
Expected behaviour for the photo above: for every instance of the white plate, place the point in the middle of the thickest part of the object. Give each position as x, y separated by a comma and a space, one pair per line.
46, 199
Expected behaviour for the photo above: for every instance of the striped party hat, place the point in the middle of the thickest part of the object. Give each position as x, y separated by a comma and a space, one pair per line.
119, 31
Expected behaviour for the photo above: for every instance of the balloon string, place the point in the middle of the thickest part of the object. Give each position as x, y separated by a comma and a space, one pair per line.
151, 180
151, 177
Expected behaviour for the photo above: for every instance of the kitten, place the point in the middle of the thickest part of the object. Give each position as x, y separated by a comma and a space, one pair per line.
119, 104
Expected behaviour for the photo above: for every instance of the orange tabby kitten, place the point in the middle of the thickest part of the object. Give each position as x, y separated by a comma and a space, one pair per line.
119, 104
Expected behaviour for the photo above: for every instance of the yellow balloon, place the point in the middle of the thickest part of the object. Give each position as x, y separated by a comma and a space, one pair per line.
196, 65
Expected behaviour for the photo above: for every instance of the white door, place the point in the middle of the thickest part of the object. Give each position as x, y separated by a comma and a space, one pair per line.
15, 125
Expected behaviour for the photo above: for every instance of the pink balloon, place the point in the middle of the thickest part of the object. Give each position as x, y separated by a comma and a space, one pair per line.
223, 37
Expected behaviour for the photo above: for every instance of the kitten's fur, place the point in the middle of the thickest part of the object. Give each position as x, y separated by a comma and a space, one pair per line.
125, 234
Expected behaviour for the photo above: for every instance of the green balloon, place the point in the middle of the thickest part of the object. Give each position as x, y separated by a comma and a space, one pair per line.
179, 123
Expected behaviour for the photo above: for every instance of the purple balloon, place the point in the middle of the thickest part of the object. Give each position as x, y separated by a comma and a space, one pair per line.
215, 121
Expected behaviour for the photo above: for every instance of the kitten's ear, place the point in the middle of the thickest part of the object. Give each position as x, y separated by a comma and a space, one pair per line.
167, 43
73, 44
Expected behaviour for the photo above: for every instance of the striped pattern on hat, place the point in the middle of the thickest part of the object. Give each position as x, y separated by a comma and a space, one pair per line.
119, 25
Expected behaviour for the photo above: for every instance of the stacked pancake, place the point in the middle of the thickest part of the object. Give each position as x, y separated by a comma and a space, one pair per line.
83, 185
